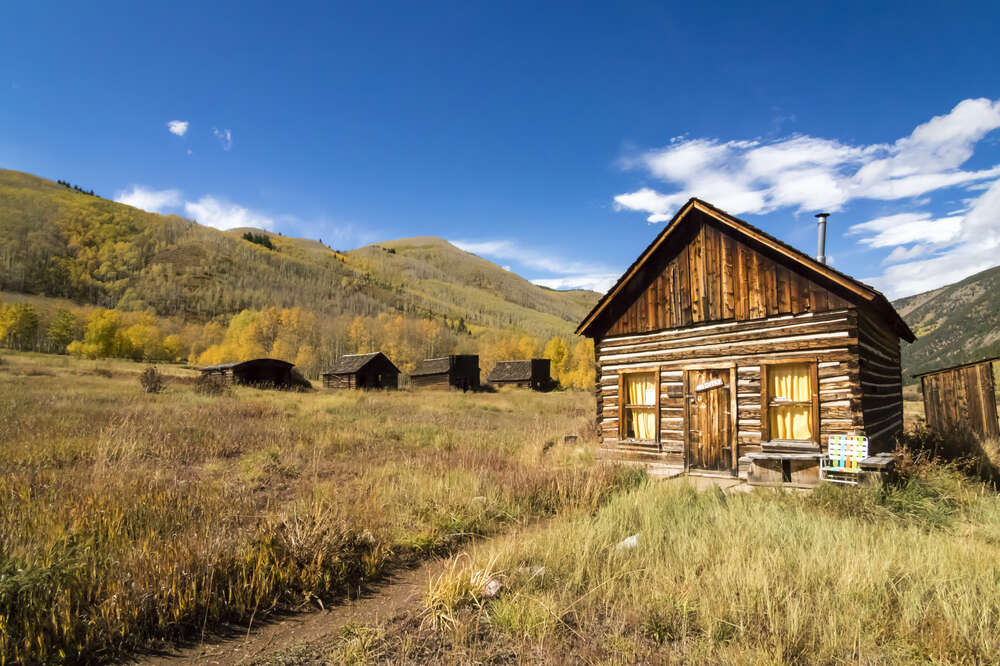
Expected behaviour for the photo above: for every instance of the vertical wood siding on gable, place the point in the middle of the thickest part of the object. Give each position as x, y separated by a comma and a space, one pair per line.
715, 277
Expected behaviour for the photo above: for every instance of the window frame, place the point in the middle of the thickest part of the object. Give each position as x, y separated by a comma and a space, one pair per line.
766, 401
623, 406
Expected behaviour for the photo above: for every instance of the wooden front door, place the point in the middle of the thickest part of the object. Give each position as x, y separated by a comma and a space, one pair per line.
709, 435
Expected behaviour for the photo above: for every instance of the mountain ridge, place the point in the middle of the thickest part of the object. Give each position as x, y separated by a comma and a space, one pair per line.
64, 244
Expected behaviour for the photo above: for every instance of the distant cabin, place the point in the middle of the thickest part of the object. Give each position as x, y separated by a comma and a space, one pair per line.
362, 371
724, 350
260, 372
531, 373
460, 371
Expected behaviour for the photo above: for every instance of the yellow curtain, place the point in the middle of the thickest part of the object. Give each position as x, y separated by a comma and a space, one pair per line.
641, 390
790, 383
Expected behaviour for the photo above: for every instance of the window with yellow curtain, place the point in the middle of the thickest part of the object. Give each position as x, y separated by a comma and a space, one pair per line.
790, 401
639, 412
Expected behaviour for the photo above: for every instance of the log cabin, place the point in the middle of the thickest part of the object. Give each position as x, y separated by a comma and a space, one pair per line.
362, 371
458, 371
259, 372
530, 373
722, 350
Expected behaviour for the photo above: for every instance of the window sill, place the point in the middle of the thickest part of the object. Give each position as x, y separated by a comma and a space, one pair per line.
794, 445
639, 442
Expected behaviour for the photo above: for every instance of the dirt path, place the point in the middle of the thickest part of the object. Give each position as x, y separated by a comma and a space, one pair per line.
401, 592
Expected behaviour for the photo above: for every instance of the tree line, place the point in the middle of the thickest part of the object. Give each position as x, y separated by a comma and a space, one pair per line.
302, 337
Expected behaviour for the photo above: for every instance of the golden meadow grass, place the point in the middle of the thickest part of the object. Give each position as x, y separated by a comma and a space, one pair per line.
127, 516
842, 575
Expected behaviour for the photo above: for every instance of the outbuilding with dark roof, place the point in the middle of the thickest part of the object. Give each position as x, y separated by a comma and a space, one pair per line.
362, 371
529, 373
459, 371
259, 372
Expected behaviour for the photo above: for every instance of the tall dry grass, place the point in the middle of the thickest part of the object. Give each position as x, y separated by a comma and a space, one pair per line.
843, 575
128, 517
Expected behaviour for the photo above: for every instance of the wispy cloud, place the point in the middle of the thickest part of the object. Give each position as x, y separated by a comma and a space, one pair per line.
807, 173
961, 247
568, 274
810, 173
224, 136
146, 198
178, 127
217, 212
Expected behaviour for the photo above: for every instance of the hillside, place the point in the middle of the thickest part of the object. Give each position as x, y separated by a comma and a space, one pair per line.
59, 243
953, 324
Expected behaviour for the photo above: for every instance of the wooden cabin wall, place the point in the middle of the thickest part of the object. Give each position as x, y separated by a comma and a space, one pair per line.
717, 278
441, 380
963, 397
881, 383
338, 381
830, 338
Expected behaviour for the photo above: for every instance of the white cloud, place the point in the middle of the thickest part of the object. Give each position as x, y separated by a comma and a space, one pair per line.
970, 246
148, 199
906, 228
599, 283
221, 214
224, 136
178, 127
810, 173
569, 274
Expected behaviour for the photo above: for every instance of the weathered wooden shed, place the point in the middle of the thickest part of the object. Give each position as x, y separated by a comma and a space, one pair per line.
529, 373
962, 397
261, 372
722, 347
460, 371
362, 371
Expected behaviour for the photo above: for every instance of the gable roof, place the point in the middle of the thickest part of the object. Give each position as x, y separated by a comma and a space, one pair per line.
432, 366
511, 371
858, 291
351, 363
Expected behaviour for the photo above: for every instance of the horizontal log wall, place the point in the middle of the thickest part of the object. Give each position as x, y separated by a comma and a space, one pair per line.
881, 383
829, 338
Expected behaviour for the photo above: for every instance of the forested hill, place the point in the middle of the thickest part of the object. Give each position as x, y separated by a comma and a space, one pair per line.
953, 324
58, 242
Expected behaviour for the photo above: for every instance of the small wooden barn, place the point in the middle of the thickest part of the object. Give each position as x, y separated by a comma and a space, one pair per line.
530, 373
459, 371
261, 372
362, 371
721, 348
962, 396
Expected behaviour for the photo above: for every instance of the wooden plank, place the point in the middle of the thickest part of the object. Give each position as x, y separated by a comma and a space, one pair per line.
784, 290
728, 275
658, 414
814, 386
765, 425
684, 268
770, 288
621, 406
733, 415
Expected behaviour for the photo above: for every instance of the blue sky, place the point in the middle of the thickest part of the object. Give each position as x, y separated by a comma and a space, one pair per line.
551, 138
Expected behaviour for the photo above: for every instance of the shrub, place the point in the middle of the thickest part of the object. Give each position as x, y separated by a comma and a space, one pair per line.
151, 380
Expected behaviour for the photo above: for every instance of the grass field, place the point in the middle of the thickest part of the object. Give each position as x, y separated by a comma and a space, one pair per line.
839, 576
128, 517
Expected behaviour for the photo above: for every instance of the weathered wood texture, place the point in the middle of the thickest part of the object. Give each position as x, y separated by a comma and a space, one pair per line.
881, 383
830, 340
715, 277
708, 416
962, 397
